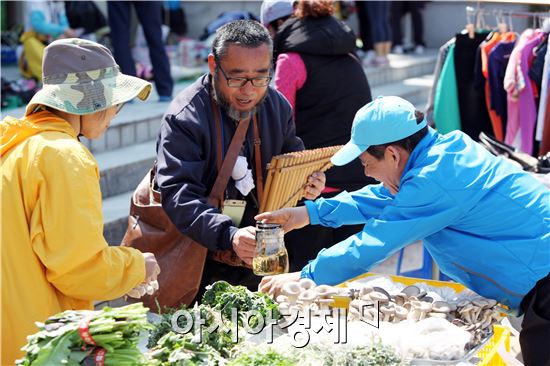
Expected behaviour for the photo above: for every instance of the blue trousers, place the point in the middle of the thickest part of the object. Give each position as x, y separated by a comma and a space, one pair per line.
150, 16
379, 12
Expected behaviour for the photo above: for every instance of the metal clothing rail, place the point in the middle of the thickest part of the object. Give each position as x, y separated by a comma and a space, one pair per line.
479, 14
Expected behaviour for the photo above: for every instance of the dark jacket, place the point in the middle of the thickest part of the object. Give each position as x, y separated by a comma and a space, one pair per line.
335, 88
186, 160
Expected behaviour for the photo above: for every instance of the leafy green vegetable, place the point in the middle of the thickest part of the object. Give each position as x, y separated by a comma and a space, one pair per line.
284, 354
183, 350
268, 358
116, 330
224, 297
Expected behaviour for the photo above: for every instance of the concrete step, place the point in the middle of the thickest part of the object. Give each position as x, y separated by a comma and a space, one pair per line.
122, 169
401, 67
137, 122
115, 217
416, 90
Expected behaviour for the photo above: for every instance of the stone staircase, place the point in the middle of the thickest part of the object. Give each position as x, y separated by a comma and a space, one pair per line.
127, 150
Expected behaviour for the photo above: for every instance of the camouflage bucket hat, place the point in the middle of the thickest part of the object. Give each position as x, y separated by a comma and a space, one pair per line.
82, 77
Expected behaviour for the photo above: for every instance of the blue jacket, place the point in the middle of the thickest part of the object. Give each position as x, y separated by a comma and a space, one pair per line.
186, 160
485, 222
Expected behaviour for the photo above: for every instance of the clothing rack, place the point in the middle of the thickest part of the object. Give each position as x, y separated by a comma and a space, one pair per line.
503, 16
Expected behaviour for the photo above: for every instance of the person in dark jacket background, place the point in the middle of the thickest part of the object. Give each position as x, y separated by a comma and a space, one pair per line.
238, 86
319, 73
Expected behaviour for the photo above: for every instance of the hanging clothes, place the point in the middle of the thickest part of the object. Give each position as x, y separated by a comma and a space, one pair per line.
545, 143
446, 108
543, 105
522, 110
497, 63
484, 49
471, 100
441, 58
535, 71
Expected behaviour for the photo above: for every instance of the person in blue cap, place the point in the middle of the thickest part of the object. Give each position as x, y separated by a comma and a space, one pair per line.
484, 221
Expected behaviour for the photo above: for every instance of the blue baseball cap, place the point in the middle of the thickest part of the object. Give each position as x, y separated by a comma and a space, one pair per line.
274, 9
384, 120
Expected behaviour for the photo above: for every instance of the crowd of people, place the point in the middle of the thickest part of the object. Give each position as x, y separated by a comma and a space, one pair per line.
465, 204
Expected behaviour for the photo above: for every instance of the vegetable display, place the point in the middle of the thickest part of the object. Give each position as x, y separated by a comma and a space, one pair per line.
108, 337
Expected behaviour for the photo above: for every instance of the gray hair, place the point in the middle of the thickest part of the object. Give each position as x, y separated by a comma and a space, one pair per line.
245, 33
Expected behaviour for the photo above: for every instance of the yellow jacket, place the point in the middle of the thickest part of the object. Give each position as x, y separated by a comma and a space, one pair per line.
54, 255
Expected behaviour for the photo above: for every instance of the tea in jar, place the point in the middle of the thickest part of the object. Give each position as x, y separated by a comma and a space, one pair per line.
271, 256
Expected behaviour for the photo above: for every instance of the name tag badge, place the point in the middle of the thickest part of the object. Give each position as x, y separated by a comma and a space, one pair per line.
235, 210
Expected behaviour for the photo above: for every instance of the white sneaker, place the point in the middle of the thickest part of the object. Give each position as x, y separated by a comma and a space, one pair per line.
398, 50
370, 55
419, 50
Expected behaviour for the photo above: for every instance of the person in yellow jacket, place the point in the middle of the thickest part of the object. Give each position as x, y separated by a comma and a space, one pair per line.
54, 255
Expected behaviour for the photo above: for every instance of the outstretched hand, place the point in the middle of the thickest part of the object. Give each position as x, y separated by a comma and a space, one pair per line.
315, 185
288, 218
272, 285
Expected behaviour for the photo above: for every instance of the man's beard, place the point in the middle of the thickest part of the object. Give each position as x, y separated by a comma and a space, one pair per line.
229, 110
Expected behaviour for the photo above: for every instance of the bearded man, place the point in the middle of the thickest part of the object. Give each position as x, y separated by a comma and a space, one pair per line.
188, 150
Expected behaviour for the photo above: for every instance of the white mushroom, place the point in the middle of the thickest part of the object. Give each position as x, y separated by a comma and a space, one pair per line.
291, 290
307, 297
365, 289
306, 283
411, 291
441, 307
379, 296
400, 298
324, 304
325, 291
400, 313
388, 311
281, 298
422, 308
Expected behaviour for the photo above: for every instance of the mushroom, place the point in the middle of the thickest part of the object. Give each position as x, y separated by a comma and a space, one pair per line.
411, 291
284, 308
400, 313
486, 319
441, 307
400, 298
388, 311
380, 289
324, 304
437, 315
379, 296
365, 289
421, 308
421, 294
324, 291
370, 315
281, 298
291, 290
307, 297
306, 283
466, 313
427, 299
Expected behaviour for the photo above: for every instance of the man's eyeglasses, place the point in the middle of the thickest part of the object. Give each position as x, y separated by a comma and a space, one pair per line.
258, 82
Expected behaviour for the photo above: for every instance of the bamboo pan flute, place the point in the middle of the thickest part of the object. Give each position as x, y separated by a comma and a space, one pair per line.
287, 176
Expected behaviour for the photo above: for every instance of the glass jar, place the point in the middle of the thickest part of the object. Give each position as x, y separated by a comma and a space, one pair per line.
271, 256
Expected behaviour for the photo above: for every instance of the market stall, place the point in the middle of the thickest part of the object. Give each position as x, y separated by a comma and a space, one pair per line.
370, 320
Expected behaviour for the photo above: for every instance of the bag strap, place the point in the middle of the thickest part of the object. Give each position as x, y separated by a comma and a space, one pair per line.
216, 194
258, 158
